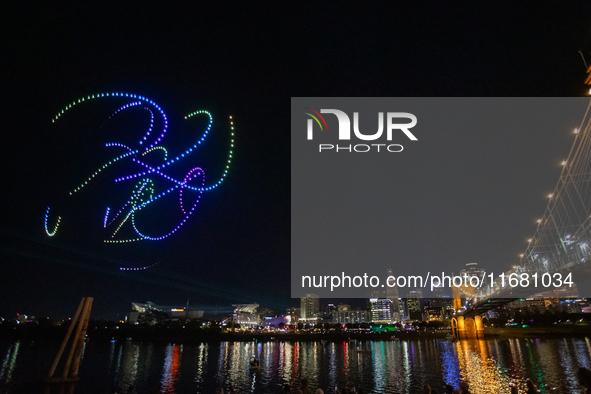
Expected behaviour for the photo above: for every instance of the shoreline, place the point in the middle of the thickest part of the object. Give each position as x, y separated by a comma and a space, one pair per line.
159, 335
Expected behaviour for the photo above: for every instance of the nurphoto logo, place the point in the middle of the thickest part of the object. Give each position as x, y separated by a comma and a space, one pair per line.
344, 133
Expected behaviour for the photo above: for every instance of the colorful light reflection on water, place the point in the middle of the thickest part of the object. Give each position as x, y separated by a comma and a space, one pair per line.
491, 366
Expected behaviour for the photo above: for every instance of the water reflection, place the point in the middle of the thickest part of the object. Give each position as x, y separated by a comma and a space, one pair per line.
129, 364
9, 362
201, 369
490, 366
171, 368
484, 373
450, 364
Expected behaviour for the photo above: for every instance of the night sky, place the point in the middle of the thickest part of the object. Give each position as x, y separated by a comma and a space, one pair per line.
246, 62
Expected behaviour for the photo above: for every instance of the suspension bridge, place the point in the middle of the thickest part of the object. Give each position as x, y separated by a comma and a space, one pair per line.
558, 255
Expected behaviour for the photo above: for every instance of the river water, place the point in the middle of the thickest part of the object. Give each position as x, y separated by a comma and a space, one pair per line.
490, 366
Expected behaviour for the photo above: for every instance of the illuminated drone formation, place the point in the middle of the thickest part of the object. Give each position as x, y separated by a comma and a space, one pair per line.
57, 223
144, 192
137, 268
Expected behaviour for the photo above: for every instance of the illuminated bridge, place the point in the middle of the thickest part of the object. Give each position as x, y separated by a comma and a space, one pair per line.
561, 245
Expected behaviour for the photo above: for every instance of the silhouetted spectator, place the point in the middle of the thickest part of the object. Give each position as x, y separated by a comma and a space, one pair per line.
530, 387
514, 390
584, 377
426, 389
305, 388
286, 388
465, 388
449, 389
157, 389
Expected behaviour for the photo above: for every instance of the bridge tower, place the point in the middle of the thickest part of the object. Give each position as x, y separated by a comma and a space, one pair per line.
465, 327
456, 294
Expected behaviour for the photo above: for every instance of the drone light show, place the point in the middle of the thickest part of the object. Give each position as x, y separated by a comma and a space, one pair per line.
156, 174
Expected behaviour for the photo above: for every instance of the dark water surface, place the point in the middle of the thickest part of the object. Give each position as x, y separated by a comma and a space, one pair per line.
380, 367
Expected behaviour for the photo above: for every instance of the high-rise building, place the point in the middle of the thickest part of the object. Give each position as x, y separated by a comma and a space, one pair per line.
345, 315
309, 308
472, 269
402, 310
413, 304
440, 291
438, 308
327, 313
432, 310
381, 310
392, 295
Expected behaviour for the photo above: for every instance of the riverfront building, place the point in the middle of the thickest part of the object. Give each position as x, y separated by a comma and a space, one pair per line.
292, 315
381, 310
151, 313
309, 308
345, 314
413, 305
392, 295
246, 315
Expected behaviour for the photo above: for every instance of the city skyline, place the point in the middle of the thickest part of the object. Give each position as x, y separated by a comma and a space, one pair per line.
382, 307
